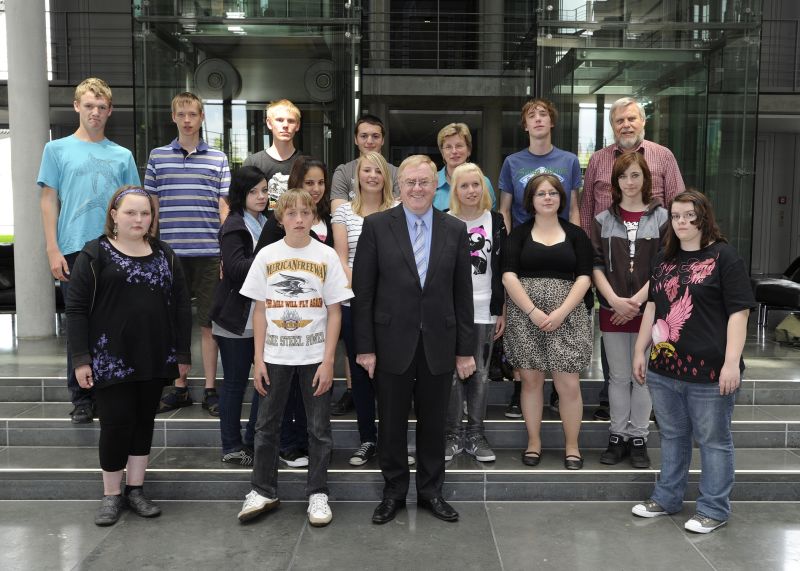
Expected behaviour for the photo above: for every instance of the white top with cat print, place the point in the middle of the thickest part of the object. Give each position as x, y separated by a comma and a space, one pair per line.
296, 285
480, 251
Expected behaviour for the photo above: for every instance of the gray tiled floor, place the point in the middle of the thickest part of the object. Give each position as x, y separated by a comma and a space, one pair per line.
489, 536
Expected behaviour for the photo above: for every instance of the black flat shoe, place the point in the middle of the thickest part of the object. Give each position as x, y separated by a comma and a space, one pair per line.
531, 457
141, 506
439, 508
386, 510
110, 510
573, 462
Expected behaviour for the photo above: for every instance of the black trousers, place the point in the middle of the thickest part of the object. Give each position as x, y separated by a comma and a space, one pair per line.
127, 415
431, 394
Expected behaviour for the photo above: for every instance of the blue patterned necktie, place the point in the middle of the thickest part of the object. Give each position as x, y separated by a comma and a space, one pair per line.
419, 251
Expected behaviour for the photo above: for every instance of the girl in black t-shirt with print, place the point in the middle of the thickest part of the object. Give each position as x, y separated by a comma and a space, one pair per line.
695, 324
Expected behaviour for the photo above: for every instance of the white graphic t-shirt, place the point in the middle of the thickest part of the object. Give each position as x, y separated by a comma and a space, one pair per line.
480, 252
296, 285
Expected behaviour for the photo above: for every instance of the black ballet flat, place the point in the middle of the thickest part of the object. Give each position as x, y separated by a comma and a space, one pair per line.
573, 462
531, 457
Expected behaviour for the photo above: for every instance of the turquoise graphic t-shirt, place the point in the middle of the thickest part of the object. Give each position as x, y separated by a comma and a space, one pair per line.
85, 175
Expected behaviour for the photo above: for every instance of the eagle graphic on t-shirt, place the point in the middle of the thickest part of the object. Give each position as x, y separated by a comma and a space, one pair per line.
292, 286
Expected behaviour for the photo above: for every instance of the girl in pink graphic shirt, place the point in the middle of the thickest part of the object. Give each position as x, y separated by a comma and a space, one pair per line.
695, 324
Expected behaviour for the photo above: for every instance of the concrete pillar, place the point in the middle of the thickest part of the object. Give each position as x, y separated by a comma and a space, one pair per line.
492, 142
29, 117
491, 34
378, 33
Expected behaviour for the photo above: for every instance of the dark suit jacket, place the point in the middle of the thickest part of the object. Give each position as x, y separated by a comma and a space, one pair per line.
390, 309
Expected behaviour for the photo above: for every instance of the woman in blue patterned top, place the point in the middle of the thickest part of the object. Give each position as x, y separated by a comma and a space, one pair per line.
129, 325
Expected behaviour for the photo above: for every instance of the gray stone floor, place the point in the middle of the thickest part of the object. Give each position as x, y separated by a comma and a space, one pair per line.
489, 536
567, 535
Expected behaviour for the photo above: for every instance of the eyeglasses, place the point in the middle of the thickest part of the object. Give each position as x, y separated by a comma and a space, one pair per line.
451, 148
423, 182
551, 194
690, 216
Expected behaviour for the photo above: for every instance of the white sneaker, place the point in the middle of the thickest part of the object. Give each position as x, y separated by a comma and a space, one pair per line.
256, 504
319, 512
648, 508
702, 524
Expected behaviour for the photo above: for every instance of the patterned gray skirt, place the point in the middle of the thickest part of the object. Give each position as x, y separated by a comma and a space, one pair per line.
568, 349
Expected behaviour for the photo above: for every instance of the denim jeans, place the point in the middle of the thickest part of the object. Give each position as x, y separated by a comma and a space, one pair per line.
237, 358
363, 388
629, 401
270, 411
475, 387
685, 410
294, 426
78, 396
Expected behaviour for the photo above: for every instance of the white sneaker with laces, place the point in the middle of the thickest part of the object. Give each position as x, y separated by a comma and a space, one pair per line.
361, 456
702, 524
648, 508
256, 504
319, 512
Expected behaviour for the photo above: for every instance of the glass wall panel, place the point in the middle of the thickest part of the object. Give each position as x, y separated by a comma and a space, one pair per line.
694, 66
240, 55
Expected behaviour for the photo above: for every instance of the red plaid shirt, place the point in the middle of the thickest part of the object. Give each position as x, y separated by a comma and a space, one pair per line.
596, 196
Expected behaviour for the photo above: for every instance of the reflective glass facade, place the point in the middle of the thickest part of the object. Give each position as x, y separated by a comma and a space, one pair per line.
420, 64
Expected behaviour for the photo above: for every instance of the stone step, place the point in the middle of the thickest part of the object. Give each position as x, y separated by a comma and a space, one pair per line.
196, 474
54, 389
48, 424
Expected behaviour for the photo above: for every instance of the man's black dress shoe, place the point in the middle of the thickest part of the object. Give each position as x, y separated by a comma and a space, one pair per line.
386, 510
439, 508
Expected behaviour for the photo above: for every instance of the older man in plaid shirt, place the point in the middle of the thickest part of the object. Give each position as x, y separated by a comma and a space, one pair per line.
628, 120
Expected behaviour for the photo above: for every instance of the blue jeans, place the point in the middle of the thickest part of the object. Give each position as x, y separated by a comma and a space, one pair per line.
237, 358
685, 410
79, 396
362, 385
265, 469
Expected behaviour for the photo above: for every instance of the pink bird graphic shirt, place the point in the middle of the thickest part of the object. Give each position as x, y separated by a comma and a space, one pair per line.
694, 294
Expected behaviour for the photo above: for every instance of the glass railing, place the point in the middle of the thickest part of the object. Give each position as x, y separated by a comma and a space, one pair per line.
241, 9
435, 40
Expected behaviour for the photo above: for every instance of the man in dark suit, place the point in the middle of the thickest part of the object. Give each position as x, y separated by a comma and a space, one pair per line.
413, 326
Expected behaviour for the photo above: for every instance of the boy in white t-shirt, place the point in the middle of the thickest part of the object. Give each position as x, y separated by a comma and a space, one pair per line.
297, 284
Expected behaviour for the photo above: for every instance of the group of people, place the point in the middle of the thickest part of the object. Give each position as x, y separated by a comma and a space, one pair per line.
419, 275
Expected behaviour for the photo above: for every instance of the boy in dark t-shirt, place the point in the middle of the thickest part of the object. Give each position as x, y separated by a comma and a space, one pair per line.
283, 120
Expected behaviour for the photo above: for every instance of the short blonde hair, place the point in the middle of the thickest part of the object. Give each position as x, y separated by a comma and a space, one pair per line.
282, 103
452, 129
185, 98
293, 198
94, 85
387, 200
460, 172
415, 161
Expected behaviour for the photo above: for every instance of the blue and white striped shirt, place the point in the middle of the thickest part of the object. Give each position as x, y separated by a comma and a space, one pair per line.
189, 187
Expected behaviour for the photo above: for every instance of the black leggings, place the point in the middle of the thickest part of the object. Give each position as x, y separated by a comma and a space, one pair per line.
127, 414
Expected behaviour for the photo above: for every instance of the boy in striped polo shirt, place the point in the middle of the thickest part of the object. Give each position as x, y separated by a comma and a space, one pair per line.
191, 182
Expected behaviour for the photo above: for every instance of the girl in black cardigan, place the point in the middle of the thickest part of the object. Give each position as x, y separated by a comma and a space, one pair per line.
471, 203
232, 313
